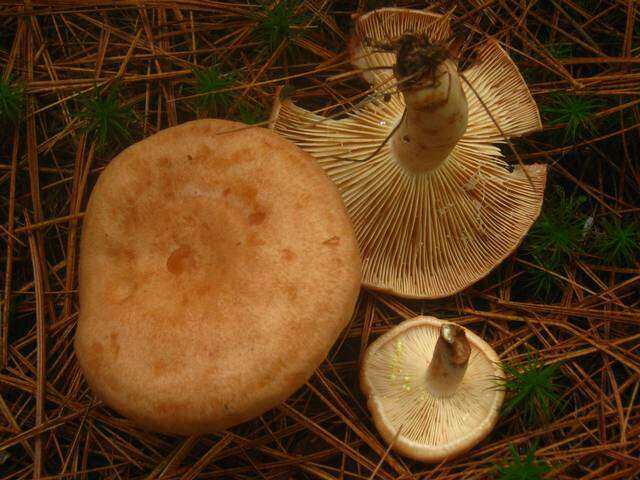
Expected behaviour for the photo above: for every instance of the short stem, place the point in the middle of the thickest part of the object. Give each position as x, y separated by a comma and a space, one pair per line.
449, 362
436, 108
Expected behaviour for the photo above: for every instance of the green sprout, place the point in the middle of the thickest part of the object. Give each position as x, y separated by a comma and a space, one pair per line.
279, 23
249, 115
539, 282
555, 239
519, 469
619, 242
209, 89
576, 113
106, 117
557, 234
531, 74
11, 102
560, 49
531, 388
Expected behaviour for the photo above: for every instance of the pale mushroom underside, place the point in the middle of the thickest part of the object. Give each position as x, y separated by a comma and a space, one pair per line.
430, 429
427, 235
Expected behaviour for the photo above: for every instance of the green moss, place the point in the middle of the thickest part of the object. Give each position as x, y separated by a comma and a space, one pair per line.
209, 88
576, 113
280, 21
526, 468
12, 99
560, 49
105, 117
250, 115
554, 240
531, 389
618, 241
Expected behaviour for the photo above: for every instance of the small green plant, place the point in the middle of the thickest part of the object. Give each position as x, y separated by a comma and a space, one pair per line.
576, 113
519, 469
209, 88
560, 49
106, 117
554, 239
279, 22
531, 388
250, 115
11, 102
539, 282
618, 242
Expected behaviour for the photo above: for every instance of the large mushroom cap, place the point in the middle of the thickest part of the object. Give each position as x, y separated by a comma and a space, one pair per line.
216, 271
407, 414
432, 234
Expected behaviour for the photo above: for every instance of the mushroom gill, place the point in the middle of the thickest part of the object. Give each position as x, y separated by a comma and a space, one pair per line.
430, 221
417, 405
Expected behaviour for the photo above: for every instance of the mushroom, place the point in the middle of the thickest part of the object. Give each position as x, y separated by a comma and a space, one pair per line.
434, 206
218, 266
432, 388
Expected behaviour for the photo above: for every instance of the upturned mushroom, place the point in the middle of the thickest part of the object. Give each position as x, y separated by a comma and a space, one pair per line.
434, 206
218, 266
432, 388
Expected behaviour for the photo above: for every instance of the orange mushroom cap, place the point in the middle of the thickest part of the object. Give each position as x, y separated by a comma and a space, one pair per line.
217, 268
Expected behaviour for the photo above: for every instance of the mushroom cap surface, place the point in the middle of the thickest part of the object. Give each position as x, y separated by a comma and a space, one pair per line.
392, 377
217, 268
433, 234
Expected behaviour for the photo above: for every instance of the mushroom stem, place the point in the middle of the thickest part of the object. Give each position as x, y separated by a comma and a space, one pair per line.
436, 106
449, 362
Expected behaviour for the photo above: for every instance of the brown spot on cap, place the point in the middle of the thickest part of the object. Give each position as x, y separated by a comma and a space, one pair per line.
249, 193
159, 366
96, 354
122, 289
254, 240
114, 343
292, 292
202, 151
168, 187
287, 254
333, 241
180, 260
202, 290
257, 217
137, 188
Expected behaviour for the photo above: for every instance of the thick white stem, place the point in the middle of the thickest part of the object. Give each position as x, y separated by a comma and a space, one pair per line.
449, 362
435, 119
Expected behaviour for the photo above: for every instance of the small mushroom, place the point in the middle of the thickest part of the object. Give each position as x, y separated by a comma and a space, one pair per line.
434, 206
217, 268
432, 388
